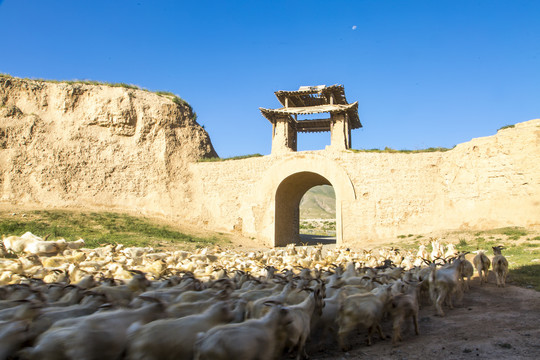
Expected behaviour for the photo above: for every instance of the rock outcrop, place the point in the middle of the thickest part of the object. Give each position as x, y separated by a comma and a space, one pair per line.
74, 144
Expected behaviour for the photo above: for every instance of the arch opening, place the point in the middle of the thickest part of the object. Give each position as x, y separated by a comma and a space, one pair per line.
287, 205
318, 216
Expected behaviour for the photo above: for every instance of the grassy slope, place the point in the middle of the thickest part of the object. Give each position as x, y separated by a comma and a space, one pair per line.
100, 228
522, 249
318, 202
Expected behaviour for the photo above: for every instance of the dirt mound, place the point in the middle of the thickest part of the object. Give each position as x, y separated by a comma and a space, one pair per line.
73, 144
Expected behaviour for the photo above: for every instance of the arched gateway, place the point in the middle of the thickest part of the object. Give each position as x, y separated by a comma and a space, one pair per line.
301, 173
288, 180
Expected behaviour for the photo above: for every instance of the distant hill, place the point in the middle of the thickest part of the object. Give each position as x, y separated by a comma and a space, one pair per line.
318, 202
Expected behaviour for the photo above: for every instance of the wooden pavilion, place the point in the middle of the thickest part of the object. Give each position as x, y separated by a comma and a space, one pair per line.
307, 100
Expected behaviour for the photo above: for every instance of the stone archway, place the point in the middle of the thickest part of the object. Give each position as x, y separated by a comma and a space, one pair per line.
288, 196
286, 182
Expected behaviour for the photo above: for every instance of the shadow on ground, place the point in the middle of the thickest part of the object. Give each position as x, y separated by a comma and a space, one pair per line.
526, 275
316, 239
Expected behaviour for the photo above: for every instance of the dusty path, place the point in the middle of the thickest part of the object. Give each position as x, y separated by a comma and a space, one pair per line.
492, 323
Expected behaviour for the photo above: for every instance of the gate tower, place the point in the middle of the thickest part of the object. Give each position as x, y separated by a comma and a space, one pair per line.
322, 99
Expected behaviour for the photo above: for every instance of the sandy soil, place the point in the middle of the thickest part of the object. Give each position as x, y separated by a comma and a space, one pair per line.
492, 323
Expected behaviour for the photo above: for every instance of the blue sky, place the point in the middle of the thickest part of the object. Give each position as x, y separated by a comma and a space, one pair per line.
425, 73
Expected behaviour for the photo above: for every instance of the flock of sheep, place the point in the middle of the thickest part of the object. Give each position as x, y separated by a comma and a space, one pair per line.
59, 300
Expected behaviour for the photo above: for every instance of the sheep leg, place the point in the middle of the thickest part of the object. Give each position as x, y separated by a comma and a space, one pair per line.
481, 276
302, 354
415, 321
370, 332
499, 279
342, 342
439, 302
459, 296
449, 298
379, 330
396, 335
342, 339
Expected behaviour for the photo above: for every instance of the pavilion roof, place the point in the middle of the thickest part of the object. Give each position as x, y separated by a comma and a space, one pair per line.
316, 124
312, 96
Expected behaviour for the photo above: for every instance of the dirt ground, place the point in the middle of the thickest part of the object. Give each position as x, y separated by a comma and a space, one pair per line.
492, 323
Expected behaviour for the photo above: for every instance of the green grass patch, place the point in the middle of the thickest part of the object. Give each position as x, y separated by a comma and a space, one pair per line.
506, 127
409, 245
216, 159
100, 228
509, 231
513, 233
402, 151
520, 256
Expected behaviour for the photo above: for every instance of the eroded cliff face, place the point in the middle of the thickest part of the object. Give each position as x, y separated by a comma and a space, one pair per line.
98, 146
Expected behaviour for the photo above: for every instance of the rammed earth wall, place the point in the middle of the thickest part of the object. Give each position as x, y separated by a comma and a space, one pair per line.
114, 148
485, 183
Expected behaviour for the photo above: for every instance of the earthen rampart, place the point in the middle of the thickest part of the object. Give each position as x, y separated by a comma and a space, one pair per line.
485, 183
114, 148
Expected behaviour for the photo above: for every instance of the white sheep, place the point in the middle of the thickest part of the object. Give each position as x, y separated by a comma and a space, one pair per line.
444, 283
403, 306
257, 308
101, 335
327, 323
299, 328
362, 309
174, 338
482, 263
253, 339
500, 266
12, 335
466, 272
